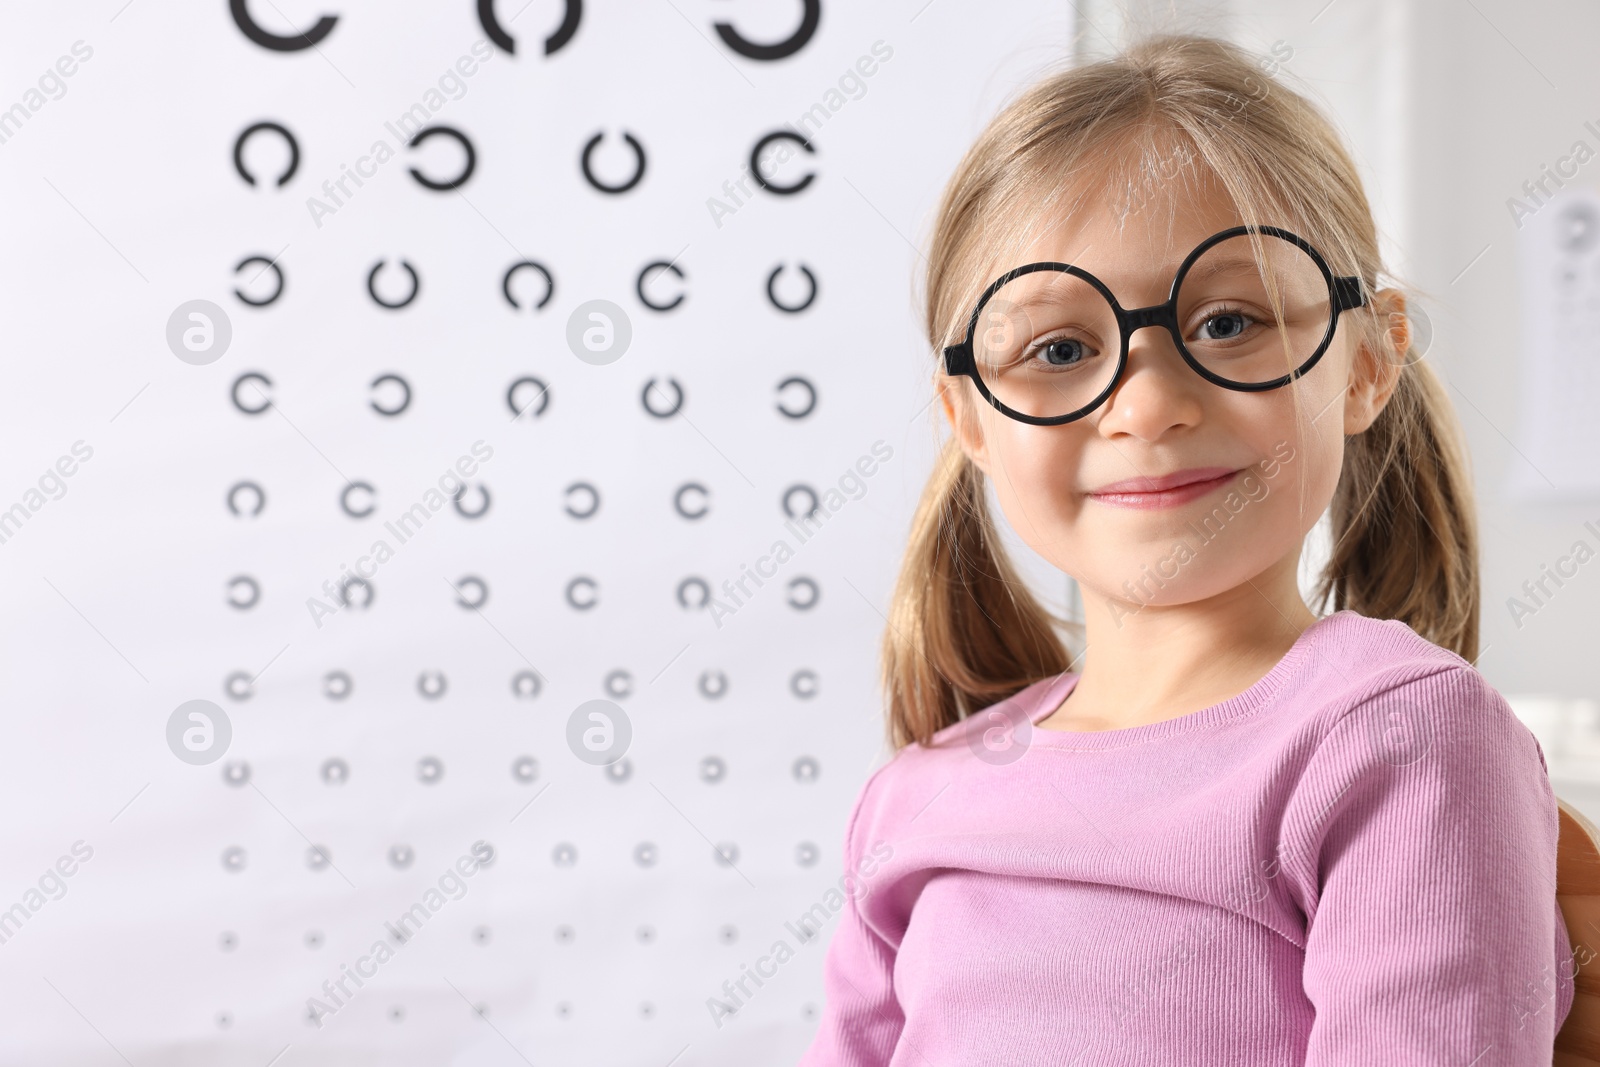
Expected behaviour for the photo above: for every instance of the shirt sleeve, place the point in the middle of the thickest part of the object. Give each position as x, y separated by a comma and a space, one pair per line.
1427, 876
861, 1019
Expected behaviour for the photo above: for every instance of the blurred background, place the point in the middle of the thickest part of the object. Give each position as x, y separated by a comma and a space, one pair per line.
405, 406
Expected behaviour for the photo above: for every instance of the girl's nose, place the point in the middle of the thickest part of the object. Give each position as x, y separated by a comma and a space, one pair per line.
1158, 392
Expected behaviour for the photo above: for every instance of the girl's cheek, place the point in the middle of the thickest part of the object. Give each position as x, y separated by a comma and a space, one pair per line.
1042, 457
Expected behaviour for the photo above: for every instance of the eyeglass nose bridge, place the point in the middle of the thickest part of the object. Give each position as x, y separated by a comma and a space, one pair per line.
1130, 320
1163, 315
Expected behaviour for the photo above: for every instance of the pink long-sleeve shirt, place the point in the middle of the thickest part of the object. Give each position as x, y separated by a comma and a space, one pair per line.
1351, 862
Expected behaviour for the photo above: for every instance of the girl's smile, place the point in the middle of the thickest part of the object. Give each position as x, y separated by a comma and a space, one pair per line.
1164, 491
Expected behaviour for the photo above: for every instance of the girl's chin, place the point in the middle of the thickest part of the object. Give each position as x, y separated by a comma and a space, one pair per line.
1157, 582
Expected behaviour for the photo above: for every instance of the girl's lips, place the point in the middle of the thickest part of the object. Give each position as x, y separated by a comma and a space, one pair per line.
1167, 491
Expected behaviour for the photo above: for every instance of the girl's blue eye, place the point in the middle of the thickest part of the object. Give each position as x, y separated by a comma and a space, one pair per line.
1064, 353
1223, 326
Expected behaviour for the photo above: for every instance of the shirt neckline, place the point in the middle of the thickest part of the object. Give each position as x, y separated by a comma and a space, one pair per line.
1051, 695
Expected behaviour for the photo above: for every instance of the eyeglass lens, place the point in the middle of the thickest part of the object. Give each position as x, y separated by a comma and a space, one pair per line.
1047, 343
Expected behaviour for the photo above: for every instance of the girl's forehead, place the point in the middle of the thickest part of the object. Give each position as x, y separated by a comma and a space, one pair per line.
1129, 210
1141, 246
1140, 214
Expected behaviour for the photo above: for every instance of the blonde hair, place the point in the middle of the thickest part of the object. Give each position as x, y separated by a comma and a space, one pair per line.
963, 630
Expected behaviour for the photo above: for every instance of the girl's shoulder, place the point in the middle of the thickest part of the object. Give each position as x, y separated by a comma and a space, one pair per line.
1355, 663
1376, 644
903, 777
1014, 708
1377, 695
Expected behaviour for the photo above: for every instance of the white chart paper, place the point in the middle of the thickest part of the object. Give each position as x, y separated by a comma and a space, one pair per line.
1558, 432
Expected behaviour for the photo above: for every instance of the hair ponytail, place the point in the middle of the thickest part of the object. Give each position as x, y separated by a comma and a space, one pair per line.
964, 631
1404, 523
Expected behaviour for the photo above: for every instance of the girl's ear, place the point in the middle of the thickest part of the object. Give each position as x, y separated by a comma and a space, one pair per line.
1375, 369
951, 393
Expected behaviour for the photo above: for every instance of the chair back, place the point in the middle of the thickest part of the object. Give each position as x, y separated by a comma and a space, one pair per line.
1578, 894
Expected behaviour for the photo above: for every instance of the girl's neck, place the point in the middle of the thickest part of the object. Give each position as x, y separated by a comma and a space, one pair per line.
1149, 664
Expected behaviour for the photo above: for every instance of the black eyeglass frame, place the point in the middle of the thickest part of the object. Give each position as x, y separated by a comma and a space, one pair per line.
1345, 292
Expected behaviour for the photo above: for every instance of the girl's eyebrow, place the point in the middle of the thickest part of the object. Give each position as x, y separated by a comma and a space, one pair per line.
1209, 267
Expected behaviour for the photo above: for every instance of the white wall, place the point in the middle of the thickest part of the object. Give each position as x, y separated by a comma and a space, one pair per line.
124, 204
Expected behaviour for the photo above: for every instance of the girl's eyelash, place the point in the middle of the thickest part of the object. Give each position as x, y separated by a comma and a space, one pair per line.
1227, 309
1045, 342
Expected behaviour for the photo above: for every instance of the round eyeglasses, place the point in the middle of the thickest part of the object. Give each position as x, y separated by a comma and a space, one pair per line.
1047, 342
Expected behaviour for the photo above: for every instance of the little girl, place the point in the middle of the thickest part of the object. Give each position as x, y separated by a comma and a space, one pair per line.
1241, 833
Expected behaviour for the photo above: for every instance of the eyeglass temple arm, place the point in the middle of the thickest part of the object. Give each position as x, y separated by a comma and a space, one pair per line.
1348, 292
958, 358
